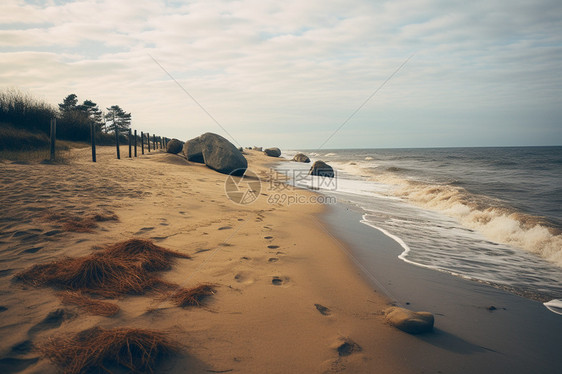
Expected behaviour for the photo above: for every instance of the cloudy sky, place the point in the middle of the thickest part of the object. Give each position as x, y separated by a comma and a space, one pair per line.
289, 73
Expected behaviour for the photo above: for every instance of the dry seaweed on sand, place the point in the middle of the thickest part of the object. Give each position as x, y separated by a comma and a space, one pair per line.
99, 274
85, 225
80, 224
122, 268
97, 348
192, 296
93, 306
150, 256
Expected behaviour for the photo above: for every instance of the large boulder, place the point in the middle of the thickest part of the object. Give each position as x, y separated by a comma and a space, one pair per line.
221, 155
272, 152
192, 150
174, 146
321, 169
409, 321
301, 157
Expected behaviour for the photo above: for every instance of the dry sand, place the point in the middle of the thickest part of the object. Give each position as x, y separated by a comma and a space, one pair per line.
272, 263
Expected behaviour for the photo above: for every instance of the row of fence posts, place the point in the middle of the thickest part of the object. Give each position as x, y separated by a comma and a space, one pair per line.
161, 142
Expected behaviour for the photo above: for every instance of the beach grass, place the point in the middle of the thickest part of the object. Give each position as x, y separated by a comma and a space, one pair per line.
93, 306
192, 296
96, 274
125, 267
98, 349
148, 255
80, 224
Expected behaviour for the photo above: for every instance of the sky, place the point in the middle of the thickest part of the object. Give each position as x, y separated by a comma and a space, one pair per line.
439, 73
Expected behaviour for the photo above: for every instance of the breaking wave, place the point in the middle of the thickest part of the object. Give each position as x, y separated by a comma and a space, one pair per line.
491, 217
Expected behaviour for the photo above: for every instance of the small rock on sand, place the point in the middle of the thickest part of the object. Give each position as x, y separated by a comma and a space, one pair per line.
321, 169
192, 150
174, 146
409, 321
301, 157
272, 152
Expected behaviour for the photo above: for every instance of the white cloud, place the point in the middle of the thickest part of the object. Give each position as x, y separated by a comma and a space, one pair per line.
261, 66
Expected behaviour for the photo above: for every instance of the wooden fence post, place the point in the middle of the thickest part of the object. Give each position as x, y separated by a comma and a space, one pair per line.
117, 143
135, 143
154, 141
93, 141
148, 140
142, 142
130, 144
53, 137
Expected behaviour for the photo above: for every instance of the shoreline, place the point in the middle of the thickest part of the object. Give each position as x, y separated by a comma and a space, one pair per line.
288, 299
477, 327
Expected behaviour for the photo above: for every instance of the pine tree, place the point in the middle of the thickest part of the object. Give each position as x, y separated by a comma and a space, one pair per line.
93, 113
69, 104
118, 117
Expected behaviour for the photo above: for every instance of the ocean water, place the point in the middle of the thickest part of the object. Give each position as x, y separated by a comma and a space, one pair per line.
491, 215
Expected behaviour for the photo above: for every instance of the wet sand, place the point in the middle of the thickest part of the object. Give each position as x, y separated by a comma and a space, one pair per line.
478, 328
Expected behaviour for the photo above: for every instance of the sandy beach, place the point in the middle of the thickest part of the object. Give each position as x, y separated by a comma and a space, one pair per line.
287, 300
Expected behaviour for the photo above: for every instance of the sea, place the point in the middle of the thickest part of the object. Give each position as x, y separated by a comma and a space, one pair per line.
491, 215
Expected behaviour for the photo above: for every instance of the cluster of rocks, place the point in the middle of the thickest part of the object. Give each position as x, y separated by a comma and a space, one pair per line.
216, 152
272, 152
221, 155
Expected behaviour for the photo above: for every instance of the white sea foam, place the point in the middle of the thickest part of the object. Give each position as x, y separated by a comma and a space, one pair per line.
497, 223
445, 228
554, 306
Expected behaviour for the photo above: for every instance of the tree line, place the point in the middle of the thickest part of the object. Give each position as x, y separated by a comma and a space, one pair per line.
22, 111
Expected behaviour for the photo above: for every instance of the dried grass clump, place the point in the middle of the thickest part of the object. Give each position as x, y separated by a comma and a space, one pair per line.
80, 224
96, 349
94, 306
101, 217
192, 296
148, 255
99, 274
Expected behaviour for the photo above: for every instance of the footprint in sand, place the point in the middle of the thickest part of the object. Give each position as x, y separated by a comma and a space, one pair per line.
278, 281
143, 230
244, 278
224, 228
325, 311
272, 246
273, 259
268, 237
